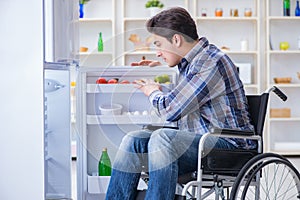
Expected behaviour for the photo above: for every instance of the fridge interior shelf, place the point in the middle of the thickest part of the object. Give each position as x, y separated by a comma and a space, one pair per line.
99, 184
119, 88
124, 119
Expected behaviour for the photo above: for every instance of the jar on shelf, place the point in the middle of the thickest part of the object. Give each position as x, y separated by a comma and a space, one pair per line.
218, 12
248, 12
234, 12
203, 12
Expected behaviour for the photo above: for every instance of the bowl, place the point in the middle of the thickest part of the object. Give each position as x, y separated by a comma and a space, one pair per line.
111, 109
83, 49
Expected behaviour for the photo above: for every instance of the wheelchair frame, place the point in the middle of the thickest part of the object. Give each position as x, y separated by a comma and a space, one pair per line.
249, 175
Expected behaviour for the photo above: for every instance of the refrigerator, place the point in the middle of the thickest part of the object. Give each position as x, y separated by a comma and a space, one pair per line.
93, 129
98, 130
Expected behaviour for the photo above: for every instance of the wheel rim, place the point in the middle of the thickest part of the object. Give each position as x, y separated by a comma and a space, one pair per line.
278, 180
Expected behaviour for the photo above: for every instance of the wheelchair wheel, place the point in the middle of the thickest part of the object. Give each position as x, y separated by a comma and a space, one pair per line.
267, 176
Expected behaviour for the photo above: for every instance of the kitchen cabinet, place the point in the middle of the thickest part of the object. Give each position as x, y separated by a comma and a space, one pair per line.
96, 130
283, 131
238, 36
99, 16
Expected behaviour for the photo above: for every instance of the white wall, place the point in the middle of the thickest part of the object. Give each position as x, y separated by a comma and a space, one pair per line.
21, 100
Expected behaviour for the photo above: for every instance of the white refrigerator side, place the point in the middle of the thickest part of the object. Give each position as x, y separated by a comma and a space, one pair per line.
21, 102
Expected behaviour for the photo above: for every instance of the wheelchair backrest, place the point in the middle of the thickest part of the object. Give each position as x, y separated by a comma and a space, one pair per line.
257, 109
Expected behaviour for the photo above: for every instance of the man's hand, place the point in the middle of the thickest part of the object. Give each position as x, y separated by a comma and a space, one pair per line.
147, 86
150, 63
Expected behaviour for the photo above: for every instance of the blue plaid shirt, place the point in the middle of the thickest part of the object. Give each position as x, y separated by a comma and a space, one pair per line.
209, 94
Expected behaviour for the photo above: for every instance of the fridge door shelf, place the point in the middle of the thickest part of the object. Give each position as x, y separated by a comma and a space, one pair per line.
124, 119
119, 88
99, 184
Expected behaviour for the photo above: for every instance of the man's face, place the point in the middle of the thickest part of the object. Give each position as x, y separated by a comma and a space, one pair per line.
167, 50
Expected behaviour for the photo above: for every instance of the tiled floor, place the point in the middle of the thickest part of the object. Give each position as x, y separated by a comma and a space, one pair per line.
295, 161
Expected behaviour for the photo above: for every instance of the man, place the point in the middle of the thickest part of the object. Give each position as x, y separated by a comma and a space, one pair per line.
209, 94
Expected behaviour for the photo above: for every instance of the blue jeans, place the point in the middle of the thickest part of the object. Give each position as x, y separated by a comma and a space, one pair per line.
164, 154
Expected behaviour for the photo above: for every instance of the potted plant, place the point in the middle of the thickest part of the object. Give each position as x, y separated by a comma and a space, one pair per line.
81, 7
154, 6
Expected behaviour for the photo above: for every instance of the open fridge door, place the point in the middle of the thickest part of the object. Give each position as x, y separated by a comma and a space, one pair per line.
60, 59
57, 137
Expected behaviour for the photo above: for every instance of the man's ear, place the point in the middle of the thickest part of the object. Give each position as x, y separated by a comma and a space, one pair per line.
177, 40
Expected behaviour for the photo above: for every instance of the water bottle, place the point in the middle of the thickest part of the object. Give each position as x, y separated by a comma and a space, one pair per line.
286, 7
297, 9
100, 43
104, 165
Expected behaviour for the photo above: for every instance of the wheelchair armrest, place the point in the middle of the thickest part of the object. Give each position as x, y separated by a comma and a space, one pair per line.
151, 127
227, 131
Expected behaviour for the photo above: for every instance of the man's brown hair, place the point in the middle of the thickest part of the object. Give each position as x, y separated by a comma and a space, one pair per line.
173, 21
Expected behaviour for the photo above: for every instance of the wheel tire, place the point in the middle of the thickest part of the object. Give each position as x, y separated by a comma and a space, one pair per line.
278, 179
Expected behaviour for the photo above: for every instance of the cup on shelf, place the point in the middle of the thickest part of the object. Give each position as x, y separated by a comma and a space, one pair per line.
244, 45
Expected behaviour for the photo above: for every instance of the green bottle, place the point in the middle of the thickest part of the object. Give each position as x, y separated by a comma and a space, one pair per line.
100, 43
104, 166
286, 7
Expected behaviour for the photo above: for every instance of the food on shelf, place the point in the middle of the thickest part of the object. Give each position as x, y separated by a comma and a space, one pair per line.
298, 74
282, 79
113, 81
101, 81
139, 44
83, 49
164, 78
284, 46
225, 48
125, 82
150, 63
280, 112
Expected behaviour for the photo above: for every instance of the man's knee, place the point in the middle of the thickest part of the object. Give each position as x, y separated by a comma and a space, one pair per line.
161, 138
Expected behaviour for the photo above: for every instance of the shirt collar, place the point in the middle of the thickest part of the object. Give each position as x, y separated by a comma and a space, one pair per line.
202, 43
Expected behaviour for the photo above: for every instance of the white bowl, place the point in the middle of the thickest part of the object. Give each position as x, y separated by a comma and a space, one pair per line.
111, 109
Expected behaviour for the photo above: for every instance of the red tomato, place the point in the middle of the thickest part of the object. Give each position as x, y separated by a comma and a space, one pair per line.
101, 81
112, 81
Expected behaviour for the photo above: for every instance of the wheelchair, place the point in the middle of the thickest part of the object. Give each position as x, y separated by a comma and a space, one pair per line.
241, 174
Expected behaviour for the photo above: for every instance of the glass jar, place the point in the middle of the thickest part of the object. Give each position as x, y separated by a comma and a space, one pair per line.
218, 12
234, 12
203, 12
248, 12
